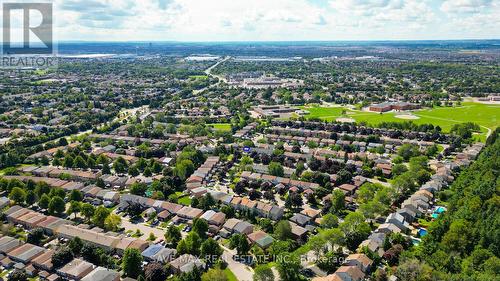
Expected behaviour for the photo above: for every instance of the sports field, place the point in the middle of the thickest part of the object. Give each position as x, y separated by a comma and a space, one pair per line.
221, 126
485, 115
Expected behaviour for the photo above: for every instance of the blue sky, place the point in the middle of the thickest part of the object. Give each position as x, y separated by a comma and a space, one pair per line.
275, 20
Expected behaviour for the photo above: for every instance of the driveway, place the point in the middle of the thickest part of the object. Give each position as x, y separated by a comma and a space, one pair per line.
145, 230
242, 272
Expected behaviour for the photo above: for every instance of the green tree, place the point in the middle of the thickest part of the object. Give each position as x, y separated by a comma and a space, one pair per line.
193, 243
414, 270
338, 201
289, 268
211, 250
408, 150
18, 275
44, 201
30, 197
18, 195
263, 273
283, 230
56, 205
399, 169
317, 244
74, 208
61, 257
131, 262
35, 236
80, 162
239, 241
112, 222
100, 215
68, 161
334, 236
75, 245
133, 171
276, 169
87, 210
355, 229
329, 221
147, 172
76, 195
120, 165
173, 235
200, 226
214, 274
266, 224
138, 188
404, 184
182, 247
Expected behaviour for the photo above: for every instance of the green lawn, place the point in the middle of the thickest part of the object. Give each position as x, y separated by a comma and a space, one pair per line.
198, 77
230, 275
186, 201
221, 126
485, 115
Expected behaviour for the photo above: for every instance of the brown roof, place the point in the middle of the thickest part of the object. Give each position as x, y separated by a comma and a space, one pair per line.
251, 204
257, 235
44, 260
231, 223
353, 271
331, 277
139, 244
218, 218
236, 200
312, 213
362, 258
348, 187
77, 268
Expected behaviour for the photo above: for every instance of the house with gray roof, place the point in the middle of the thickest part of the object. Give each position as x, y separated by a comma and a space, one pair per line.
102, 274
8, 244
398, 220
243, 227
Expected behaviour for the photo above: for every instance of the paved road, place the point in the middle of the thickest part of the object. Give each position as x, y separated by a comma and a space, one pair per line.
242, 272
208, 72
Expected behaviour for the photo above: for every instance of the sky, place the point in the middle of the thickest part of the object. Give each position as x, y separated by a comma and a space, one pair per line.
275, 20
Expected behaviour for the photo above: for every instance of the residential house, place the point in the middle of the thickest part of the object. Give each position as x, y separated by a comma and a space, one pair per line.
25, 253
360, 260
76, 269
350, 273
398, 220
102, 274
261, 239
186, 263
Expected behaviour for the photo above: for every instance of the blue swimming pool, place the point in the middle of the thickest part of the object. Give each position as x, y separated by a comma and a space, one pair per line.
415, 241
440, 210
422, 232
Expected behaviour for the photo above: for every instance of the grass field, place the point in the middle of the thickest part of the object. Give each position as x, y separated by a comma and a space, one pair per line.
183, 199
198, 77
485, 115
230, 275
221, 126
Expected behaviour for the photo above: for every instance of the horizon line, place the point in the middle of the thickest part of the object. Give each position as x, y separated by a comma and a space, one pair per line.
278, 41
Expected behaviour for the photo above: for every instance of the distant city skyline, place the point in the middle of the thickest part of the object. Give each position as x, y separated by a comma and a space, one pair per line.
277, 20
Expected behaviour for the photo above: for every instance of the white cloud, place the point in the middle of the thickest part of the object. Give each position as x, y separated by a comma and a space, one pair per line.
195, 20
465, 6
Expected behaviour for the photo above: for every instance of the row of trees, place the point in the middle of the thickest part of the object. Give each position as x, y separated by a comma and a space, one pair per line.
463, 243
